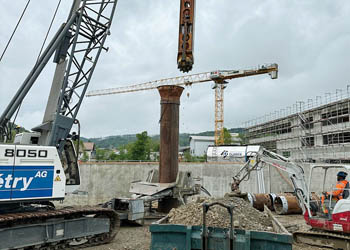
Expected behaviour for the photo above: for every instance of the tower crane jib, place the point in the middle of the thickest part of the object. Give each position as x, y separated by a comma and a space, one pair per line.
220, 78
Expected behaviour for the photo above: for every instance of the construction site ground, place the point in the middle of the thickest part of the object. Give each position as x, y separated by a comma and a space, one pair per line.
132, 237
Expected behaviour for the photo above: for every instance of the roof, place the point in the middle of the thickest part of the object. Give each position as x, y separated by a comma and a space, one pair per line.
182, 149
202, 138
89, 146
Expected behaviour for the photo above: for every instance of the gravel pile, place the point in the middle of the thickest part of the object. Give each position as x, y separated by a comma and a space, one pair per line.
244, 215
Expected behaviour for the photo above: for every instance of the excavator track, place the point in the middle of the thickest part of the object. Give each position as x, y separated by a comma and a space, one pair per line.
17, 223
323, 239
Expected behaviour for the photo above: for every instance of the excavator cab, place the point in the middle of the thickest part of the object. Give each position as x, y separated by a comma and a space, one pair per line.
328, 206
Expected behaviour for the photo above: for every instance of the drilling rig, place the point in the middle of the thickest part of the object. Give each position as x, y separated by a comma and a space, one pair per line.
41, 166
185, 58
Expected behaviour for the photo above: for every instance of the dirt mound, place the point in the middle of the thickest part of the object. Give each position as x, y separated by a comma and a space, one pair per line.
244, 215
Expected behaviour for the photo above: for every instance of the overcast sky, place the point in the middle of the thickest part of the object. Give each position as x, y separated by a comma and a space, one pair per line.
308, 39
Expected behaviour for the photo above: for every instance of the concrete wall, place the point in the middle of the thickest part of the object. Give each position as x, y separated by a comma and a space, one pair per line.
104, 181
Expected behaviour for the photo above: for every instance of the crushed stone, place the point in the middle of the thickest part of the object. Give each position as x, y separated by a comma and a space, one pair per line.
244, 215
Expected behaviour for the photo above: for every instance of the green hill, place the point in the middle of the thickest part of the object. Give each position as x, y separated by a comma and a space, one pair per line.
120, 140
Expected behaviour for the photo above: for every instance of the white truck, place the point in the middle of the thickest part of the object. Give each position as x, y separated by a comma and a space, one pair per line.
230, 153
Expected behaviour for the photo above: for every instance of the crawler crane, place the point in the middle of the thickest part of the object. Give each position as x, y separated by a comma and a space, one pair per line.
41, 166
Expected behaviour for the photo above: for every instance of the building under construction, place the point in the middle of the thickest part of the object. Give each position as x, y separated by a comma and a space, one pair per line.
314, 131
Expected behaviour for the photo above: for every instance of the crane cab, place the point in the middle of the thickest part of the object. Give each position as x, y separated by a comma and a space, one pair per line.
65, 170
30, 172
27, 138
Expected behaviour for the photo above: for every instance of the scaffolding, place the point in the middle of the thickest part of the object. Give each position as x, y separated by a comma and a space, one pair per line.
309, 131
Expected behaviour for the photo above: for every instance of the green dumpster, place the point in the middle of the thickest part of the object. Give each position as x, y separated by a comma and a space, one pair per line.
181, 237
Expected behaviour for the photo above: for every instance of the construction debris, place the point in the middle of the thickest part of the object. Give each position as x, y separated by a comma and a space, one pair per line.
244, 215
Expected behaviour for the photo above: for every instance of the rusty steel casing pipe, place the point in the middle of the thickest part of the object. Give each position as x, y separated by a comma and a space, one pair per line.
169, 132
259, 200
273, 197
287, 205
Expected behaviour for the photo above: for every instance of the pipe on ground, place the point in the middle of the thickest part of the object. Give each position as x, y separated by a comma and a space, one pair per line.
287, 205
259, 200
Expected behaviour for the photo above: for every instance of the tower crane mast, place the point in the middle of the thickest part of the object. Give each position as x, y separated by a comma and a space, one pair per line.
219, 77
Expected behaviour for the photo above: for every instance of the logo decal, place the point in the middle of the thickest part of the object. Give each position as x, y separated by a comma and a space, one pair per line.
26, 181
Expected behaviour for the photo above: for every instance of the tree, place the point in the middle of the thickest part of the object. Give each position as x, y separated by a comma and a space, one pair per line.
85, 157
154, 145
101, 154
187, 156
227, 136
140, 149
113, 156
124, 152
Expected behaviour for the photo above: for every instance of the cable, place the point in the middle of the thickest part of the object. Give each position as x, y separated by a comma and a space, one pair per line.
14, 31
48, 31
11, 126
165, 108
47, 34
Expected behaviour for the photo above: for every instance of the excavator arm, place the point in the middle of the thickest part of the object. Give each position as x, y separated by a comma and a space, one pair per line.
264, 157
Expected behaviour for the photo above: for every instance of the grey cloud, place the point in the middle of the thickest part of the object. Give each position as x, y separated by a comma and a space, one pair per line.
308, 39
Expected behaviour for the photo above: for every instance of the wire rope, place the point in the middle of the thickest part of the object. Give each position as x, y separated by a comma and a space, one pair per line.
48, 31
14, 31
41, 49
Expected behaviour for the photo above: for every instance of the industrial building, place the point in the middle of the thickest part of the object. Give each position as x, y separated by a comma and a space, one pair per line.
199, 144
314, 131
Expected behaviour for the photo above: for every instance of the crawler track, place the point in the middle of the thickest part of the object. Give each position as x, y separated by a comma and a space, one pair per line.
323, 239
8, 221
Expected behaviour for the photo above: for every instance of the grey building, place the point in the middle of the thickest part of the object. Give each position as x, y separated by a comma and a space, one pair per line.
315, 131
199, 144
